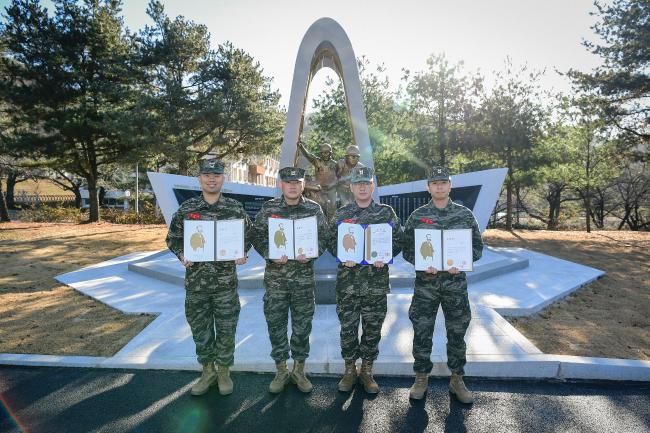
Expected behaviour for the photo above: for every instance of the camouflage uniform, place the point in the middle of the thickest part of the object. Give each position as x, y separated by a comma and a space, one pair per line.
289, 286
431, 290
361, 290
211, 300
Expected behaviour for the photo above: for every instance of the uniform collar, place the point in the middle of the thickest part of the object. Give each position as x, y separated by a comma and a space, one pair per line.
206, 204
283, 202
446, 208
371, 205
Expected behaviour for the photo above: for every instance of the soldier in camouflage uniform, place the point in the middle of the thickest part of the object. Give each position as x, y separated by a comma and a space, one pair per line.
435, 287
211, 300
289, 284
361, 289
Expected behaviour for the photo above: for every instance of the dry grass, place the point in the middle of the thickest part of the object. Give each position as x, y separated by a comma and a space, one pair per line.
39, 315
607, 318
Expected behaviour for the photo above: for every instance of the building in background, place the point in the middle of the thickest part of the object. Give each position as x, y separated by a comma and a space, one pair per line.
256, 170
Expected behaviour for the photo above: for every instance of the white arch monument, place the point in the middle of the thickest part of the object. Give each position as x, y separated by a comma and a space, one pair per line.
325, 45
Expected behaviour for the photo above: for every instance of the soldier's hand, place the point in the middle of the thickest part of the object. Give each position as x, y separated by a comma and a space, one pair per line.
241, 261
282, 260
379, 264
454, 271
349, 264
186, 263
302, 258
431, 270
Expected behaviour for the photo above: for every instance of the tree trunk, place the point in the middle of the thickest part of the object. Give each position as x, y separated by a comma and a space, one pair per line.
588, 210
93, 199
509, 184
4, 212
182, 166
77, 196
11, 186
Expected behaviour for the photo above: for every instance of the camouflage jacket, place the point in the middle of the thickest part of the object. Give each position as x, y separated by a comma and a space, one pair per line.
207, 276
453, 216
364, 278
278, 208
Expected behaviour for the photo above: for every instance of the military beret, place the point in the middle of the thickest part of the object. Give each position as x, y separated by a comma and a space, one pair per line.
362, 174
437, 173
291, 173
211, 165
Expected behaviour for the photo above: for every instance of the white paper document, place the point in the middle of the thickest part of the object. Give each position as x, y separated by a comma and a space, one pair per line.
457, 249
198, 240
306, 237
350, 243
428, 249
379, 243
280, 238
230, 239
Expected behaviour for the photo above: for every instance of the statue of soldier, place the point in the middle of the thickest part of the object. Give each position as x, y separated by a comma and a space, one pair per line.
344, 172
325, 175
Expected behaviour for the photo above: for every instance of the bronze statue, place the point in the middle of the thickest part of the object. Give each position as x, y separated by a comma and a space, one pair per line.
344, 170
325, 174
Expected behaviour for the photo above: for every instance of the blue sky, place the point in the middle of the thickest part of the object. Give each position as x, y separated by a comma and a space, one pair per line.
401, 34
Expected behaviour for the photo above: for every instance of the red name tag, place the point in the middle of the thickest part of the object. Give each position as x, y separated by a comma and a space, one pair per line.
194, 216
275, 216
427, 220
349, 220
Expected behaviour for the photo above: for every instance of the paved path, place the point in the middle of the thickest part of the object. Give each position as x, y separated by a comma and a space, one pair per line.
69, 400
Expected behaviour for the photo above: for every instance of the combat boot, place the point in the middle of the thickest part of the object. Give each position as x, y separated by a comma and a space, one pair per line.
299, 378
459, 390
349, 378
223, 380
419, 387
208, 377
366, 378
281, 378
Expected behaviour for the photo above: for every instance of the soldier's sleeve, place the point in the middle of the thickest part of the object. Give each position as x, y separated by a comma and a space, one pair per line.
248, 228
408, 241
323, 230
175, 235
477, 240
398, 233
260, 233
332, 238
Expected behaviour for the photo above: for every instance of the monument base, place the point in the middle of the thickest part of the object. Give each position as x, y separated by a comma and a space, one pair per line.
164, 266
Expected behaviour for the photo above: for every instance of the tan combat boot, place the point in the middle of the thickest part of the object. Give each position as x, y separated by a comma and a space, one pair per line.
349, 378
299, 378
208, 377
419, 387
366, 378
281, 378
458, 388
223, 380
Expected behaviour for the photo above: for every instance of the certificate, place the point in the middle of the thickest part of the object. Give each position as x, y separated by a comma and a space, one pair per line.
230, 239
457, 249
280, 238
198, 240
379, 243
428, 249
306, 237
350, 243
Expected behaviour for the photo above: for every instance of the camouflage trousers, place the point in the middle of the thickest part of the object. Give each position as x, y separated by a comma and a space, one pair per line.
451, 293
213, 316
370, 309
278, 302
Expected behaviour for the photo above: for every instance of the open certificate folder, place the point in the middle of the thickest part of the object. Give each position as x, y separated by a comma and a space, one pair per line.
292, 238
365, 243
443, 249
207, 241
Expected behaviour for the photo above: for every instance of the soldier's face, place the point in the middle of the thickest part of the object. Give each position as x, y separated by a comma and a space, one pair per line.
351, 159
439, 189
292, 189
211, 183
362, 191
325, 153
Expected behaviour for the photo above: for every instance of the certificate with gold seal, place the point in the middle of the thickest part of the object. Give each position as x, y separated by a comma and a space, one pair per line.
230, 240
457, 250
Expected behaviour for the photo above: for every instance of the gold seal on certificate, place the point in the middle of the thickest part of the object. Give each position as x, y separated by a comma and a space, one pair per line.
292, 238
443, 249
